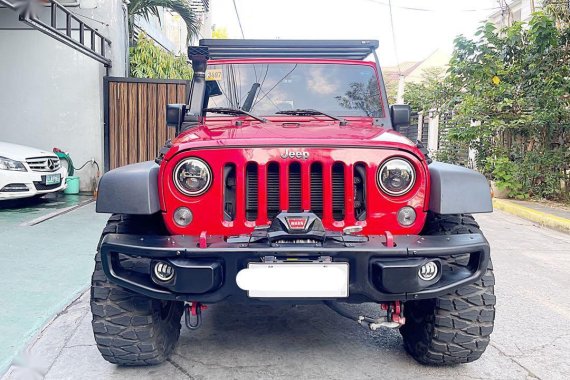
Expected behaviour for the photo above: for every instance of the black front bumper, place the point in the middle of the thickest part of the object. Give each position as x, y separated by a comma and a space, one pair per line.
376, 272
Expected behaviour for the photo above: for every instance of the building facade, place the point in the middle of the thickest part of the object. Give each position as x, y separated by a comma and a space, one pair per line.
51, 83
513, 11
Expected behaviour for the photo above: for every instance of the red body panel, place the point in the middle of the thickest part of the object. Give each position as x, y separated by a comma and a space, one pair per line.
240, 140
289, 131
207, 208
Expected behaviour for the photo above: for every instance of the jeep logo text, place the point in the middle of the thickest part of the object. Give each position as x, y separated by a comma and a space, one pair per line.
299, 155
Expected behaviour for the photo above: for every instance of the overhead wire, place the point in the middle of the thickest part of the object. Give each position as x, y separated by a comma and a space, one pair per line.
276, 84
431, 10
243, 37
394, 37
238, 19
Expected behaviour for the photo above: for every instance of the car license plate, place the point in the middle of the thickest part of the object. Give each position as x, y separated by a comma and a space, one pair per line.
295, 280
53, 179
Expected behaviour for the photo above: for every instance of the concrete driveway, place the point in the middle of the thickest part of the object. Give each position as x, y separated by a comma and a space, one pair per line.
47, 248
531, 338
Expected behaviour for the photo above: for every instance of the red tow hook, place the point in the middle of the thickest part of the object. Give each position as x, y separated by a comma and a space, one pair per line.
389, 239
203, 239
394, 312
193, 315
394, 316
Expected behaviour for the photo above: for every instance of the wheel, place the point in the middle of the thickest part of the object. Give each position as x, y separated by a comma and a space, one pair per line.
132, 329
454, 328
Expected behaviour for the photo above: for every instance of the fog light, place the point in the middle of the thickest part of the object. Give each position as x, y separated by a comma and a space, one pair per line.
406, 216
428, 271
182, 216
163, 271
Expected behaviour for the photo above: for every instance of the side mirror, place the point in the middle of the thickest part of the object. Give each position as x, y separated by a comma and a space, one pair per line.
175, 115
400, 115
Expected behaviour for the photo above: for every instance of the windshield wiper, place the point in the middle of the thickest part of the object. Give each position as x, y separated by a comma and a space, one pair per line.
311, 112
248, 103
234, 111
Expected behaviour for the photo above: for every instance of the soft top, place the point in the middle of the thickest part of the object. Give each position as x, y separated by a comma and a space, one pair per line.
325, 49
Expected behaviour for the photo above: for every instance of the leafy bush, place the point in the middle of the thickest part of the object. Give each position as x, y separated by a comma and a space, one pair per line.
504, 173
508, 92
150, 61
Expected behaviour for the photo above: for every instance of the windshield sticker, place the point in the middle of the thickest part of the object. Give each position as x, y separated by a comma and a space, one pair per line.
214, 74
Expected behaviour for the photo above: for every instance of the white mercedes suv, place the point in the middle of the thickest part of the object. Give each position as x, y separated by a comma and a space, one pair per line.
27, 172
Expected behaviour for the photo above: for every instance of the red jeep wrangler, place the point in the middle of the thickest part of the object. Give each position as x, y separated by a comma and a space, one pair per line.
289, 182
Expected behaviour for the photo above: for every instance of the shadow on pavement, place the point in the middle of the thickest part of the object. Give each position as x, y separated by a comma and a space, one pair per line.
51, 201
16, 211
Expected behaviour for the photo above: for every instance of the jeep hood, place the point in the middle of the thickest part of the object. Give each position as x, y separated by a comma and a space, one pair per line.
289, 133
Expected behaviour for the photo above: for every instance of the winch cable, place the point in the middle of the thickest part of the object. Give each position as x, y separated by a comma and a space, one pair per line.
371, 323
334, 306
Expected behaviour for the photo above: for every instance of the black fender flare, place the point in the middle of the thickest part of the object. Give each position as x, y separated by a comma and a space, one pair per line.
458, 190
130, 189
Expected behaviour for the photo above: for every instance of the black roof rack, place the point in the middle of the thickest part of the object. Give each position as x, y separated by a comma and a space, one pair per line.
331, 49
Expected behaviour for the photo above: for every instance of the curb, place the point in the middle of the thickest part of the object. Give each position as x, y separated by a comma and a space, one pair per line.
542, 218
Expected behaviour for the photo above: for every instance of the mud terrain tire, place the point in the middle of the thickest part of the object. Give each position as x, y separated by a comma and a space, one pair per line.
131, 329
454, 328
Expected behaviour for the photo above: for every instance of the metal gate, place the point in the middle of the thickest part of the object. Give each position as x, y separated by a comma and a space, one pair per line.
411, 130
135, 117
425, 130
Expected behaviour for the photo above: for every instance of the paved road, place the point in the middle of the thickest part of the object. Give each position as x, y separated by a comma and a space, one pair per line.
44, 266
531, 338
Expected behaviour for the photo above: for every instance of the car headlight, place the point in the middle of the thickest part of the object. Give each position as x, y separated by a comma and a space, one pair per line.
396, 176
192, 176
8, 164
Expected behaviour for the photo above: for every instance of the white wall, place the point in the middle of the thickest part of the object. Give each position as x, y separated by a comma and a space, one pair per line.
52, 95
170, 31
518, 10
433, 134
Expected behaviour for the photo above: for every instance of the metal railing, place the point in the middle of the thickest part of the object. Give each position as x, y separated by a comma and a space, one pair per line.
71, 31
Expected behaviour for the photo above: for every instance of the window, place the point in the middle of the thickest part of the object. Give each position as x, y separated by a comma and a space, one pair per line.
337, 89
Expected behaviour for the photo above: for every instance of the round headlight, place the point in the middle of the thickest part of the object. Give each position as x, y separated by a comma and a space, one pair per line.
396, 176
192, 176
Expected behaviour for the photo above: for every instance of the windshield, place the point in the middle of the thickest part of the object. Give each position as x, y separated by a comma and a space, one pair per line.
265, 89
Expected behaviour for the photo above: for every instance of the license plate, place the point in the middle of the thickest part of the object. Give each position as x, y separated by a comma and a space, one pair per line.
53, 179
295, 280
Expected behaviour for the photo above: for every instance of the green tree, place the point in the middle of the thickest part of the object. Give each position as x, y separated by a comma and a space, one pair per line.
515, 83
507, 95
429, 94
559, 10
391, 90
148, 60
147, 8
362, 96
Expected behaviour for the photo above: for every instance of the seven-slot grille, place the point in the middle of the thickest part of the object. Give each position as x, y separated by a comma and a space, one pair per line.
43, 164
335, 192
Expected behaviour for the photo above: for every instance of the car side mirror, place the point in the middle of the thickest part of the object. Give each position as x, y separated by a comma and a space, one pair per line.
400, 115
175, 115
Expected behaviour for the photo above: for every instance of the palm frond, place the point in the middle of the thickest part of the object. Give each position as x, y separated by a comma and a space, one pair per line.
182, 7
147, 8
